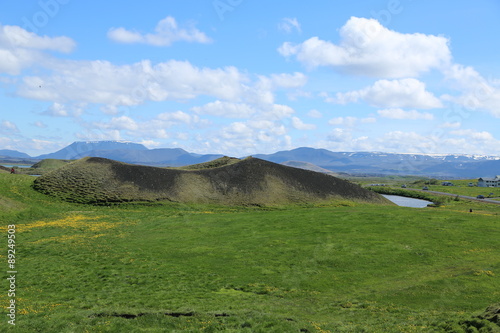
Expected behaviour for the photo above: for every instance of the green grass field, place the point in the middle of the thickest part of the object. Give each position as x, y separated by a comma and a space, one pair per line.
193, 268
461, 186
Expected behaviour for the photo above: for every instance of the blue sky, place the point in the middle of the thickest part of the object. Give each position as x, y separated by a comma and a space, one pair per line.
240, 77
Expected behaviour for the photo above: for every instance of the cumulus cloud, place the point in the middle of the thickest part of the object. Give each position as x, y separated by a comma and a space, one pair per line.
369, 120
20, 49
403, 93
475, 135
368, 48
226, 109
102, 82
288, 81
315, 114
57, 110
288, 25
62, 110
262, 135
156, 128
346, 121
351, 122
298, 124
402, 114
340, 135
166, 32
8, 127
40, 124
113, 86
410, 142
477, 93
468, 140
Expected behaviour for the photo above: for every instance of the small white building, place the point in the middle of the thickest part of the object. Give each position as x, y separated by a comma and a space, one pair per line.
489, 182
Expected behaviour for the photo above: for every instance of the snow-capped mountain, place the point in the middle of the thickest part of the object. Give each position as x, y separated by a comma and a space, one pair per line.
381, 163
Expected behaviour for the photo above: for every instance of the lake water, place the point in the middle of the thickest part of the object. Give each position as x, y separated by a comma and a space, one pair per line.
407, 202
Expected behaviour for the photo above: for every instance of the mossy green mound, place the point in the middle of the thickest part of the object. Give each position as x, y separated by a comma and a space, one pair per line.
217, 163
50, 163
248, 182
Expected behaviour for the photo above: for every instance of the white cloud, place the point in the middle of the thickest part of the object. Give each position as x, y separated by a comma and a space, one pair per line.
300, 125
123, 123
166, 32
102, 82
9, 127
63, 110
20, 49
56, 110
402, 114
404, 93
16, 37
178, 117
156, 128
264, 111
315, 114
112, 86
247, 137
226, 109
279, 111
346, 121
475, 135
410, 142
340, 135
368, 48
150, 143
477, 92
289, 24
40, 124
288, 81
369, 120
456, 124
236, 130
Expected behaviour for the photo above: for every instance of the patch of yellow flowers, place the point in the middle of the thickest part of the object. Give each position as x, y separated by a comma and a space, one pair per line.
76, 221
70, 221
483, 272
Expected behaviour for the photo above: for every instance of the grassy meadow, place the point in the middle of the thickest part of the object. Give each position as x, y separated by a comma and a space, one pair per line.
168, 267
460, 186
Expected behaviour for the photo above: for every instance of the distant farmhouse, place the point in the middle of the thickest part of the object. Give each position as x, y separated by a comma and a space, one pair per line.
489, 182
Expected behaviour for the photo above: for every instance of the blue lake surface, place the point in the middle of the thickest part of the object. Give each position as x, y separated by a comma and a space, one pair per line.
407, 202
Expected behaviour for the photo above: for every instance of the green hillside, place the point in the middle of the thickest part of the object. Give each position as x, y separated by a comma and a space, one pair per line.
172, 267
217, 163
247, 182
50, 163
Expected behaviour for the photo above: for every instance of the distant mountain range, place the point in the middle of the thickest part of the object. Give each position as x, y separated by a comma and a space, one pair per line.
12, 154
364, 163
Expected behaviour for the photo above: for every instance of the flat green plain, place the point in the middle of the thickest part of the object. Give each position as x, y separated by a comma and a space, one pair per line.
167, 267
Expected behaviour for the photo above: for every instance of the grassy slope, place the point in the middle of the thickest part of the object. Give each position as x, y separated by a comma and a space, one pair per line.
43, 167
460, 186
217, 163
50, 163
247, 182
339, 269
